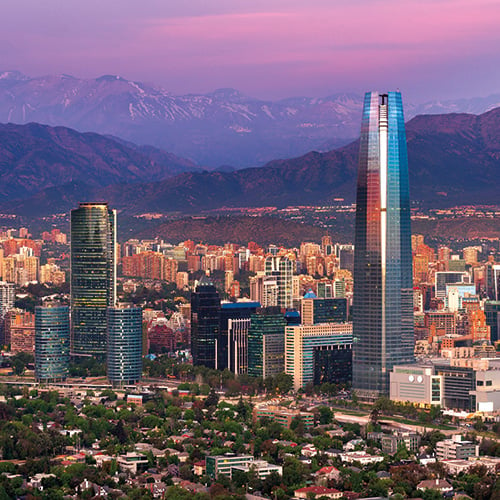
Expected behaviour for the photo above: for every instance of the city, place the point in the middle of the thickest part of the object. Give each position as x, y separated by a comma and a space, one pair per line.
149, 368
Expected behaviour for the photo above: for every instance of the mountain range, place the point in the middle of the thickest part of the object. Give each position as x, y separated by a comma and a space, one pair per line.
453, 159
216, 129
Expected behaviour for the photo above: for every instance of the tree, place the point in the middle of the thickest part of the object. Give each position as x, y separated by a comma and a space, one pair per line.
325, 415
212, 399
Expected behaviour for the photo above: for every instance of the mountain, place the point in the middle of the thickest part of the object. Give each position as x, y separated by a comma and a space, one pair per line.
223, 127
34, 157
453, 159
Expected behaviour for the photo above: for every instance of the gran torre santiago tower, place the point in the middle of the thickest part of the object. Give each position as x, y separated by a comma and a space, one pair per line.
383, 289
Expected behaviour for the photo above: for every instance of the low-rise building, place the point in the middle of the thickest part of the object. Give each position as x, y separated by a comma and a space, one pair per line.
222, 464
317, 491
456, 448
283, 416
361, 457
260, 467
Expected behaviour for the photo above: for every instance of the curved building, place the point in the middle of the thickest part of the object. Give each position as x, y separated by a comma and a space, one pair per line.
383, 288
51, 342
93, 276
124, 361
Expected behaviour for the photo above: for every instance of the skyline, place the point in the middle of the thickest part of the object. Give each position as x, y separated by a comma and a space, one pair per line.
268, 52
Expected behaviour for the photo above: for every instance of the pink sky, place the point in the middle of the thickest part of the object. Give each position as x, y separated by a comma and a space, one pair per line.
275, 48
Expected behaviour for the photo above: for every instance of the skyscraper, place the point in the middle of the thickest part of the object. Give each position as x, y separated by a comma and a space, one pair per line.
124, 353
51, 342
205, 323
266, 343
282, 269
383, 310
93, 276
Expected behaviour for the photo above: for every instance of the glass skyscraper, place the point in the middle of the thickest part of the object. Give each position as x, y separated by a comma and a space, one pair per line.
266, 343
93, 276
51, 342
383, 289
124, 345
205, 324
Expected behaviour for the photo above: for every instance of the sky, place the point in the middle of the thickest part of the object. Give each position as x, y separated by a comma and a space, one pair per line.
429, 49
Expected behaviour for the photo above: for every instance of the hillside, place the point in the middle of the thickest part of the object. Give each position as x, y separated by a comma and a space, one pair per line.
34, 157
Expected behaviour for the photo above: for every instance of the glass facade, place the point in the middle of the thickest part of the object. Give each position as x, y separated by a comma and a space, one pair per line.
51, 343
233, 339
93, 276
266, 343
124, 360
492, 313
205, 324
383, 289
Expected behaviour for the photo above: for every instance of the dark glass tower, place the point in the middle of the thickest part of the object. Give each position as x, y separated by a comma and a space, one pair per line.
51, 342
93, 276
383, 310
205, 326
124, 359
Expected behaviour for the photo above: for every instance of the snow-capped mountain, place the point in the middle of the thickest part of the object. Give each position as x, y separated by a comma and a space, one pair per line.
220, 128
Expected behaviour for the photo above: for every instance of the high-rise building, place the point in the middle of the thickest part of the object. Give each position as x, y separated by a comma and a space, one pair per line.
51, 342
205, 326
316, 310
7, 298
266, 343
233, 341
492, 281
282, 269
318, 353
443, 278
492, 312
20, 331
93, 276
383, 288
124, 353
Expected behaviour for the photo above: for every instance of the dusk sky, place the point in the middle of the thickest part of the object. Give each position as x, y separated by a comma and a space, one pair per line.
266, 48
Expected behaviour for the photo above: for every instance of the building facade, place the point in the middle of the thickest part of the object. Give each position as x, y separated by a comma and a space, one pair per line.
266, 343
51, 342
318, 353
124, 356
383, 289
93, 276
205, 323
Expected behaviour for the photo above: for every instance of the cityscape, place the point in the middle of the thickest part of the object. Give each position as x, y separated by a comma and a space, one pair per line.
237, 294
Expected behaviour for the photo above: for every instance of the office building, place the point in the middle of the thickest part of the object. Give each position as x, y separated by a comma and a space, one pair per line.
124, 359
456, 448
492, 281
317, 310
222, 464
383, 288
444, 278
93, 276
205, 323
266, 343
318, 353
492, 312
284, 416
51, 342
233, 341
